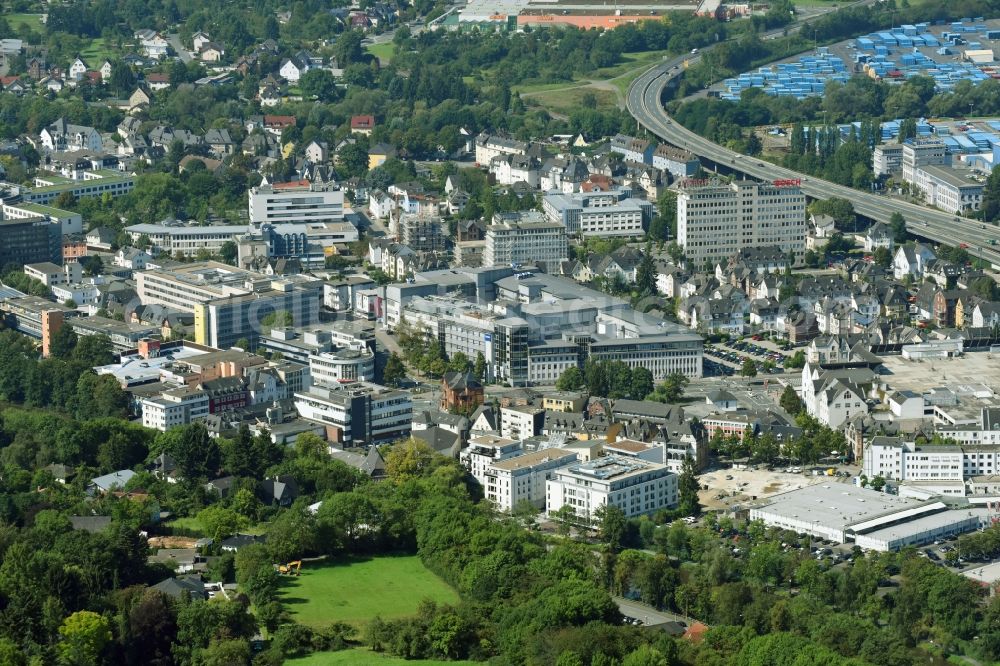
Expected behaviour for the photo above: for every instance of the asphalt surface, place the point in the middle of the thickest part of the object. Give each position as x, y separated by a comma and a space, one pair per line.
644, 103
647, 614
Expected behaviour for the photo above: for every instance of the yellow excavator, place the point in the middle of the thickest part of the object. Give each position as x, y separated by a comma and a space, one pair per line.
290, 569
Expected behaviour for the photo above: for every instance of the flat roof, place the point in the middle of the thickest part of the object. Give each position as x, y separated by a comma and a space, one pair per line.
613, 467
630, 445
923, 524
837, 505
534, 458
491, 441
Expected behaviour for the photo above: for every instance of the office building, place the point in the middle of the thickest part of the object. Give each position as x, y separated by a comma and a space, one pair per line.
342, 365
69, 222
30, 241
172, 237
525, 238
637, 487
94, 184
358, 413
887, 159
52, 275
600, 214
952, 190
716, 219
296, 202
222, 322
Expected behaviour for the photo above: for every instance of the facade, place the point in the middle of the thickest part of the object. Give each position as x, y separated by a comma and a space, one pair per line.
222, 322
675, 161
175, 407
716, 219
599, 214
186, 239
484, 450
342, 365
523, 478
71, 223
490, 146
30, 241
525, 239
93, 184
636, 486
299, 201
357, 413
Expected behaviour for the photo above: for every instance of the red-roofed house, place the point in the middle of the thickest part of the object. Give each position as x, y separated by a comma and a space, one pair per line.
157, 81
696, 632
277, 124
362, 124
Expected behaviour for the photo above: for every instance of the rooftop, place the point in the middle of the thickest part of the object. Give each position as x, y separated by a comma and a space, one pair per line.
612, 468
535, 458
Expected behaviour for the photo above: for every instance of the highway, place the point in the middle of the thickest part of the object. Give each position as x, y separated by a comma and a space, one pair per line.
644, 103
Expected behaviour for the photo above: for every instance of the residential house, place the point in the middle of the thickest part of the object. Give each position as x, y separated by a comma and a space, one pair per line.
911, 261
878, 235
278, 490
460, 391
292, 70
363, 124
199, 40
66, 137
212, 52
220, 142
379, 153
156, 81
153, 44
105, 70
77, 69
317, 151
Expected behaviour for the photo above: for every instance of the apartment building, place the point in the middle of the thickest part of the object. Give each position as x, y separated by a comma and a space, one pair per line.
637, 487
521, 422
52, 275
525, 238
299, 201
484, 450
423, 232
632, 149
523, 478
677, 162
357, 413
489, 146
175, 407
342, 365
715, 219
600, 214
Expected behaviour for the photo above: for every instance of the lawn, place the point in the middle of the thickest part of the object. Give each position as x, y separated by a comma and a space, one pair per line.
193, 525
33, 21
566, 101
95, 53
362, 657
383, 52
356, 590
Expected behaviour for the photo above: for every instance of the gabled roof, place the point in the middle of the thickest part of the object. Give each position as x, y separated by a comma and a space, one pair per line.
177, 586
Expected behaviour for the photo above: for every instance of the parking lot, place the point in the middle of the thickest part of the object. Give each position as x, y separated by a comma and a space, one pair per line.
727, 487
733, 354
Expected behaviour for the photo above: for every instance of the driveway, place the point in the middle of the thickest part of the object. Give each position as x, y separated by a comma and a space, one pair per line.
179, 48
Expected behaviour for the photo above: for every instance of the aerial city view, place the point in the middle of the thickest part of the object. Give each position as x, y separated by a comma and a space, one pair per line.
499, 332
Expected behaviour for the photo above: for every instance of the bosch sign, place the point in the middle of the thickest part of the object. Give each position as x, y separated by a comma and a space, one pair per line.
791, 182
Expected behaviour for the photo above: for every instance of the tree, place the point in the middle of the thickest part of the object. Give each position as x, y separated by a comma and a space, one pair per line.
394, 370
882, 257
790, 401
749, 368
613, 524
226, 653
92, 265
319, 83
687, 489
408, 459
672, 388
458, 362
83, 636
642, 383
898, 225
352, 160
63, 342
645, 275
571, 379
228, 252
479, 368
94, 350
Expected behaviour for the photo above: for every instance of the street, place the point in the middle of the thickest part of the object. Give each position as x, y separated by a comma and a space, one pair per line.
647, 614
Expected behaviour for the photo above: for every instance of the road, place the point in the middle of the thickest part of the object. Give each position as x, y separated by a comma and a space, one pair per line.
647, 614
182, 53
644, 103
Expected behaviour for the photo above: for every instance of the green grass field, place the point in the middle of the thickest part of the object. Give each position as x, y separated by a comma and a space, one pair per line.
95, 53
362, 657
356, 590
565, 101
384, 52
33, 21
